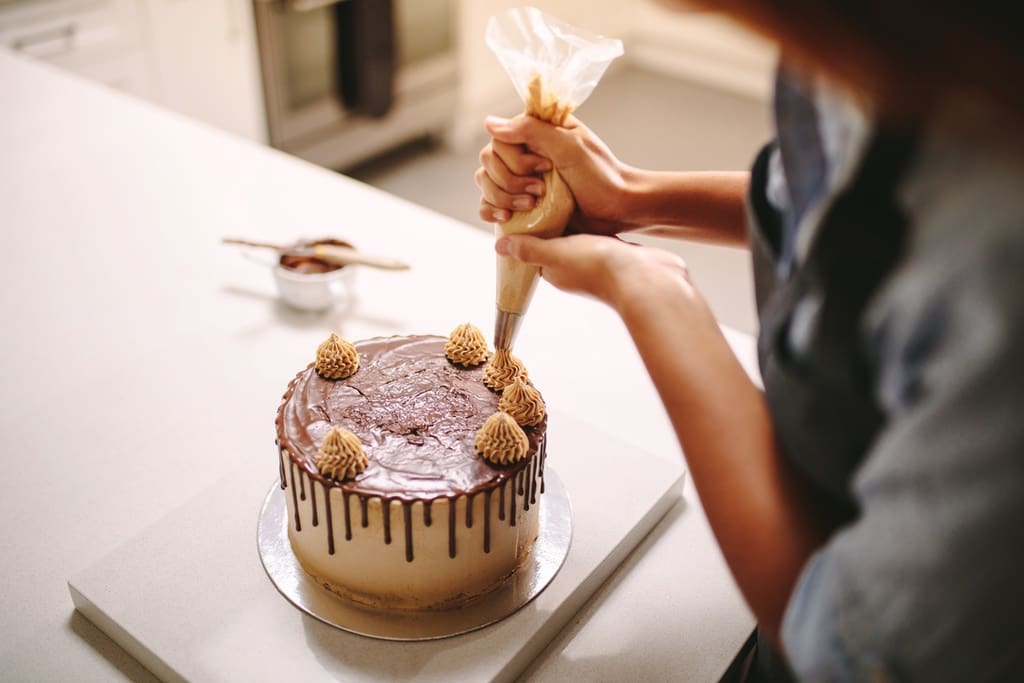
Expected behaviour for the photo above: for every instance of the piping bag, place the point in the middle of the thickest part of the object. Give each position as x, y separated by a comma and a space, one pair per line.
554, 68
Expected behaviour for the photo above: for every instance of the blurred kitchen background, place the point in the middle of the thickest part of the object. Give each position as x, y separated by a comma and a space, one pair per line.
394, 92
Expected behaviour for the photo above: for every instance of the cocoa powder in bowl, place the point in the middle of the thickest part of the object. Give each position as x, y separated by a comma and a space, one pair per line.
311, 264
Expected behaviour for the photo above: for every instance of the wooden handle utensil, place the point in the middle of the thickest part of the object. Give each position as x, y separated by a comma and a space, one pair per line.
331, 253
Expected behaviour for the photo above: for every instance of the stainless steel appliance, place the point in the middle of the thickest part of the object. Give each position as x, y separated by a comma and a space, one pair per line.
326, 66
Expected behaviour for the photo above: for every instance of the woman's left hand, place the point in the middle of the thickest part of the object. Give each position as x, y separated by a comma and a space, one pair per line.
605, 268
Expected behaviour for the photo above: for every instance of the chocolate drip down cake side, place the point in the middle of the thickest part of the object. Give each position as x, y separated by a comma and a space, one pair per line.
413, 468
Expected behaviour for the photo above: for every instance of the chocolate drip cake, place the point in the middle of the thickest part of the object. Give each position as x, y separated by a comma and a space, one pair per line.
397, 495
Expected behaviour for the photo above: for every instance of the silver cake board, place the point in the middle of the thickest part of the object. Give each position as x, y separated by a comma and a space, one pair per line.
189, 597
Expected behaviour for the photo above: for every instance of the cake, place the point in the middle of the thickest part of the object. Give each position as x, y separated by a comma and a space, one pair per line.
407, 486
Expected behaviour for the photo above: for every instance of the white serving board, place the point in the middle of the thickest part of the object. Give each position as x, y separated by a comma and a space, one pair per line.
190, 600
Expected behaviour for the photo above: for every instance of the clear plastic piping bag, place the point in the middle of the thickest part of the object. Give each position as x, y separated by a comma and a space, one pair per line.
554, 67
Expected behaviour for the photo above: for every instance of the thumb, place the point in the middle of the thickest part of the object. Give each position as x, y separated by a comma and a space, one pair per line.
540, 137
525, 248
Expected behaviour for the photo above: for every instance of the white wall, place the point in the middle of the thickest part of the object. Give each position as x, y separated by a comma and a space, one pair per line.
697, 46
701, 46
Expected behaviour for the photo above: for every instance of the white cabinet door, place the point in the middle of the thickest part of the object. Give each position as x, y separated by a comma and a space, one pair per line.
206, 64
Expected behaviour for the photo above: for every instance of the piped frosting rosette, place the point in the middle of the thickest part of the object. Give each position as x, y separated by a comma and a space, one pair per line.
466, 346
523, 402
341, 455
500, 440
336, 358
503, 369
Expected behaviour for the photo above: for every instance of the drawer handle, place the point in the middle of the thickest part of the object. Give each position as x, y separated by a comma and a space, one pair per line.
308, 5
48, 43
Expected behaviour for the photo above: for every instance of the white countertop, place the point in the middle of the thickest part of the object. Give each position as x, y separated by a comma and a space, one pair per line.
142, 361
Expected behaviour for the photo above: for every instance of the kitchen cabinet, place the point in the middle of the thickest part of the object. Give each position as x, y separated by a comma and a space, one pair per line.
100, 39
204, 54
197, 57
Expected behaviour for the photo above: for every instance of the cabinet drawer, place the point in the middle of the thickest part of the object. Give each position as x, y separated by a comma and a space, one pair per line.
70, 31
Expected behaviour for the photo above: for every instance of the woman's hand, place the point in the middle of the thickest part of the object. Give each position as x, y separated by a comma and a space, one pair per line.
615, 272
524, 147
611, 197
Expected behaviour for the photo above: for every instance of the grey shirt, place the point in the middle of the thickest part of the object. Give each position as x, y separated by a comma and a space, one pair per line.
922, 585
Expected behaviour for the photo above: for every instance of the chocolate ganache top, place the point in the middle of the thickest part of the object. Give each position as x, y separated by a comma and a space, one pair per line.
415, 413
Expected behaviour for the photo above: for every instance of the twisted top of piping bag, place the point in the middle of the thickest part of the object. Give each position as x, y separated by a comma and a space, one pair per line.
568, 59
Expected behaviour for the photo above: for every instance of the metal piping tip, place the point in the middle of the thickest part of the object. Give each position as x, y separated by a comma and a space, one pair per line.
506, 324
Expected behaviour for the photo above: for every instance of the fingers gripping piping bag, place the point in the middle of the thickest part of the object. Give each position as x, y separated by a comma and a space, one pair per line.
554, 68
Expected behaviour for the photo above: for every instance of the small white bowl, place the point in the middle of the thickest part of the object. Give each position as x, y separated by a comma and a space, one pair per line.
313, 291
317, 291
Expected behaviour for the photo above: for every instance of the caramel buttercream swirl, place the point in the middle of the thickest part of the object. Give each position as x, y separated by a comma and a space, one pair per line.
341, 455
501, 440
523, 402
503, 369
542, 104
336, 358
466, 346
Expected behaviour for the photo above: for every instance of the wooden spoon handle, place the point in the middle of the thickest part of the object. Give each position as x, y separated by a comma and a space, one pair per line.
339, 255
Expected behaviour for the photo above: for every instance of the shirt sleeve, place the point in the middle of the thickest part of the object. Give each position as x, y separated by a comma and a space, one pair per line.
925, 585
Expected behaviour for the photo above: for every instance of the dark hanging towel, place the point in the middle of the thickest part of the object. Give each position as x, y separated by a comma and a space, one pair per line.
366, 52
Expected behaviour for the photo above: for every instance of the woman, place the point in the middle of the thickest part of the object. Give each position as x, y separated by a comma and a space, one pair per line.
868, 502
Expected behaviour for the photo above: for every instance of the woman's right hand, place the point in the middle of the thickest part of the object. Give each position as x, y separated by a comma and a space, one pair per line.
521, 149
